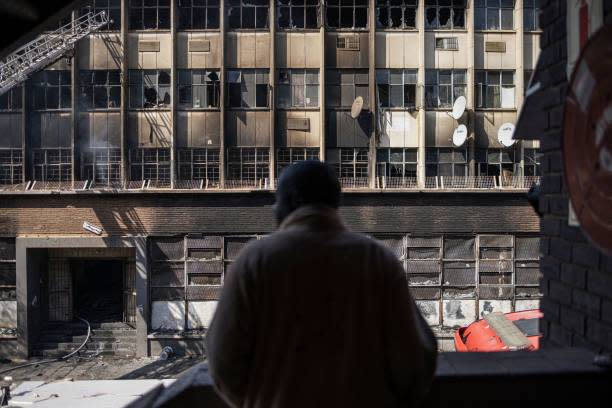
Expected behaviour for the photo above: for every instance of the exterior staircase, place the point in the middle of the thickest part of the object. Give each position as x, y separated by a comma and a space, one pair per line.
107, 339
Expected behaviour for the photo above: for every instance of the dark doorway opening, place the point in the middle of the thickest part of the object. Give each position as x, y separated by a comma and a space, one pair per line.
98, 290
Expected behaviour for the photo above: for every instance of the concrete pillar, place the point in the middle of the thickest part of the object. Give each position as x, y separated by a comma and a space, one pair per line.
322, 127
173, 90
421, 94
222, 93
25, 152
519, 77
372, 91
74, 112
471, 78
124, 90
272, 102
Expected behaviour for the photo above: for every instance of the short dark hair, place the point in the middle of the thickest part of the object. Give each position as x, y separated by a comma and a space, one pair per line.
309, 182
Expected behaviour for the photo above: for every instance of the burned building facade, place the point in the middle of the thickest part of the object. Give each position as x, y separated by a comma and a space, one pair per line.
135, 167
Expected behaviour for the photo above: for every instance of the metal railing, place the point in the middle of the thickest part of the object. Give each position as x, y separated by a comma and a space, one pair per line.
468, 182
354, 182
46, 48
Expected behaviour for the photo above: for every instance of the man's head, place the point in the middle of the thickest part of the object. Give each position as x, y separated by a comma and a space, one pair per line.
306, 183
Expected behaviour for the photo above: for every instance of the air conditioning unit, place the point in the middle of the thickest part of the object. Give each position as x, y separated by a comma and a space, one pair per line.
447, 44
199, 46
148, 46
348, 43
298, 124
495, 46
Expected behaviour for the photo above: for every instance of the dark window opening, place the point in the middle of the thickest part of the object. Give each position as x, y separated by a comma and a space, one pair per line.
98, 290
249, 14
248, 88
51, 90
100, 89
297, 14
149, 88
52, 165
149, 14
198, 88
101, 165
112, 8
445, 14
199, 164
12, 99
11, 166
198, 14
150, 164
446, 162
286, 156
347, 14
494, 14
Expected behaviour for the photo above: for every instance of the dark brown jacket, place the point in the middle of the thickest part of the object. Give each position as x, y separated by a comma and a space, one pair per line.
318, 316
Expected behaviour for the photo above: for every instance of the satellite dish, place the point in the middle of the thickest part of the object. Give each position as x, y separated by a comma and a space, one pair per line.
460, 135
357, 107
458, 107
505, 134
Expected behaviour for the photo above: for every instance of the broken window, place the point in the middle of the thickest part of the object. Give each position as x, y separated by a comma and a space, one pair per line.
396, 164
248, 165
494, 14
149, 88
298, 88
495, 89
11, 99
101, 165
497, 162
198, 14
447, 162
52, 164
248, 88
445, 14
531, 12
298, 14
150, 164
51, 90
248, 14
100, 89
287, 156
198, 88
112, 8
350, 164
396, 13
344, 85
347, 13
11, 166
199, 164
396, 87
149, 14
444, 86
531, 159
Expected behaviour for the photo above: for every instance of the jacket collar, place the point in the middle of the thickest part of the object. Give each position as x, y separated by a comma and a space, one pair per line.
314, 217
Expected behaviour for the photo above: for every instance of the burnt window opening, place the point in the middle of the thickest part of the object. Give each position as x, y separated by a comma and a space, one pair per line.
198, 14
497, 162
298, 14
396, 163
531, 159
286, 156
495, 89
298, 88
100, 89
531, 15
112, 8
12, 100
344, 85
400, 14
51, 90
101, 165
150, 164
445, 14
494, 14
396, 88
198, 89
149, 14
249, 14
11, 166
52, 165
446, 162
444, 86
199, 164
248, 164
248, 88
350, 164
149, 88
347, 14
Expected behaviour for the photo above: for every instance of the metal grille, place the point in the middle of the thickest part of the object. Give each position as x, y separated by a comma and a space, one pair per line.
167, 293
495, 292
468, 182
203, 292
497, 241
527, 273
459, 293
493, 278
424, 279
459, 248
423, 253
167, 274
167, 248
60, 290
422, 266
495, 266
422, 242
7, 248
395, 244
204, 242
527, 248
528, 292
203, 253
459, 274
129, 292
8, 274
214, 268
495, 253
422, 293
204, 279
233, 246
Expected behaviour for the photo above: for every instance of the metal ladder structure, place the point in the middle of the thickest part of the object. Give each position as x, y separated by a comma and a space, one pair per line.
47, 48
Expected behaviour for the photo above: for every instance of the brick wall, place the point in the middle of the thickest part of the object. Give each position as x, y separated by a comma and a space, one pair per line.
577, 278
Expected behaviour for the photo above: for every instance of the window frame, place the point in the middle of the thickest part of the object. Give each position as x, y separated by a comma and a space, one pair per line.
138, 84
531, 7
495, 88
240, 4
207, 85
287, 88
485, 166
93, 85
42, 83
286, 156
453, 164
191, 10
13, 98
385, 165
409, 80
534, 162
11, 166
202, 163
453, 87
453, 7
335, 84
134, 7
112, 164
349, 163
343, 5
246, 158
140, 157
383, 11
258, 84
112, 8
483, 7
306, 6
63, 167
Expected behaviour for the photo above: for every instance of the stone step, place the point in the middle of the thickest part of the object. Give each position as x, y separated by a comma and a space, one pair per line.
68, 347
119, 353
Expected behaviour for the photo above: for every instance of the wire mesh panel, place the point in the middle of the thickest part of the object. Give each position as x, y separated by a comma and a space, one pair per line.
7, 248
167, 274
60, 290
459, 273
459, 293
424, 279
177, 293
207, 242
459, 248
204, 253
497, 265
204, 279
167, 248
423, 242
495, 278
528, 292
8, 275
422, 267
527, 248
395, 244
495, 253
210, 268
424, 293
423, 253
497, 241
233, 245
203, 292
527, 273
495, 292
